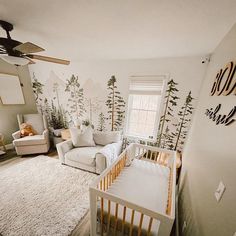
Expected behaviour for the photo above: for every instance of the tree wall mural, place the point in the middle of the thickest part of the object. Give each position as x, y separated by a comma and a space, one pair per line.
101, 122
62, 101
169, 104
76, 98
115, 104
38, 92
184, 114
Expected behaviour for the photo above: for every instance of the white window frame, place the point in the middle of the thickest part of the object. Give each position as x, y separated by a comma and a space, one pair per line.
160, 104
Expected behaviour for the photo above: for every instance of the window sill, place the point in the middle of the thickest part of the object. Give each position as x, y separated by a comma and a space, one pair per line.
137, 138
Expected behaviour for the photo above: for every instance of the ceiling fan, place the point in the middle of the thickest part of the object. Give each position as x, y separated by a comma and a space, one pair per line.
22, 51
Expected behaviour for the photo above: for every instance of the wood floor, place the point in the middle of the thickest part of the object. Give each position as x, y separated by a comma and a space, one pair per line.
11, 158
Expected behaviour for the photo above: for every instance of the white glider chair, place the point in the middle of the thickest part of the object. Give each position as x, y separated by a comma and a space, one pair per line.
38, 143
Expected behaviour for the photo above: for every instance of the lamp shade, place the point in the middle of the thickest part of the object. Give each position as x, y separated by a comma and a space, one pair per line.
18, 61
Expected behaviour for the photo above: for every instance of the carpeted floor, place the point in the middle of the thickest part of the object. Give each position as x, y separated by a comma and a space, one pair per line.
39, 196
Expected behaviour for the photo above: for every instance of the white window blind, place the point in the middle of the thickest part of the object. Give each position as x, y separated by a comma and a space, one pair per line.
153, 85
145, 95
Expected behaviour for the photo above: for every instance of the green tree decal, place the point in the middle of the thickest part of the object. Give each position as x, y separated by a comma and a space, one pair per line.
115, 104
76, 100
47, 110
38, 92
57, 117
170, 102
37, 88
185, 117
101, 122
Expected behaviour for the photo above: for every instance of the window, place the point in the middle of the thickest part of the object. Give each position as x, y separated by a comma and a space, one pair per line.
145, 94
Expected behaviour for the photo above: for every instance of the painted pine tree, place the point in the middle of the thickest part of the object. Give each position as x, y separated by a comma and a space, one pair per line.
76, 98
38, 92
47, 110
101, 122
115, 104
58, 114
57, 117
170, 102
168, 139
184, 117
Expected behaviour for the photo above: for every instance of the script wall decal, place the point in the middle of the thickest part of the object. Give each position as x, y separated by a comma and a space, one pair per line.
224, 84
219, 118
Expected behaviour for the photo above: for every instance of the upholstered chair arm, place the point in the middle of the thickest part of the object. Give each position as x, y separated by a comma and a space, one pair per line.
16, 135
63, 148
46, 134
100, 163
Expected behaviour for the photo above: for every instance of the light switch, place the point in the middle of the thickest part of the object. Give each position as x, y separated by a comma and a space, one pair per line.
219, 191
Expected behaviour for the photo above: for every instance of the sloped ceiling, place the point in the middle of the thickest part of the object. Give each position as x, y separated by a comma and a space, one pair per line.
120, 29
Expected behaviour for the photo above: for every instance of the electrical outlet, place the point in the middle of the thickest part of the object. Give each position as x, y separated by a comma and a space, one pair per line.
184, 226
219, 191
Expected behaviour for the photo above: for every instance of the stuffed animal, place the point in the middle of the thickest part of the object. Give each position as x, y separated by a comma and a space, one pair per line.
26, 130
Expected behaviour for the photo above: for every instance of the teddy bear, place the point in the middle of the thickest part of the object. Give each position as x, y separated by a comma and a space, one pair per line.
26, 130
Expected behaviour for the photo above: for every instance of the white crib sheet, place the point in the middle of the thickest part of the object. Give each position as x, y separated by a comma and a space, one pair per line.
143, 183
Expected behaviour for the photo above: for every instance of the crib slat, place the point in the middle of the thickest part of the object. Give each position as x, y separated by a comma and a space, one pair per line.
104, 184
107, 182
169, 201
140, 224
156, 156
101, 185
110, 177
131, 223
116, 217
115, 171
150, 226
123, 220
108, 216
102, 207
150, 155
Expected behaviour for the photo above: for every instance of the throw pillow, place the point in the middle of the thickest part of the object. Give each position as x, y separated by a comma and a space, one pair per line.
82, 138
104, 138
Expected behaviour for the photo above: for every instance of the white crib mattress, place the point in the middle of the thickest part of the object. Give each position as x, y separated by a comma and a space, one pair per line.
143, 183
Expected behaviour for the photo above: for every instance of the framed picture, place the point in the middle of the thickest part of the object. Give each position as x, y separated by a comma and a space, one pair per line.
10, 90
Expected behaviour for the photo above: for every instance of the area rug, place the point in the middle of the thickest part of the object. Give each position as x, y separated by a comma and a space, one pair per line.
39, 196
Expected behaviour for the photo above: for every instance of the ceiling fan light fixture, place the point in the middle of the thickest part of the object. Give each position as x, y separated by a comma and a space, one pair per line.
18, 61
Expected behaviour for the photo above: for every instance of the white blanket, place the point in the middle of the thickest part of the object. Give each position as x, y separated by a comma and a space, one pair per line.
110, 152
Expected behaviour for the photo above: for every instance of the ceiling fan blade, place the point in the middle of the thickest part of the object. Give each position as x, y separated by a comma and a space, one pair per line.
49, 59
30, 60
28, 48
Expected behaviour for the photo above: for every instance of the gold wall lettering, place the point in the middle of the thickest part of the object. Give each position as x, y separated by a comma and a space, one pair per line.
225, 81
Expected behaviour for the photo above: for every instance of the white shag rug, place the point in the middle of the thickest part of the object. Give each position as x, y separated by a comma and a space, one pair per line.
39, 196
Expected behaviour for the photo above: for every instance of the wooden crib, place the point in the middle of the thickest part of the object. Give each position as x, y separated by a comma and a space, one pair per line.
136, 194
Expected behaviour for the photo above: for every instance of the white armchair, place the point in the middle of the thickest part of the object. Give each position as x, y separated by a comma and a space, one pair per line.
38, 143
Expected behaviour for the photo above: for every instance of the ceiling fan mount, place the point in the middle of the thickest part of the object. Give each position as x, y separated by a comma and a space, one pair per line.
7, 27
11, 47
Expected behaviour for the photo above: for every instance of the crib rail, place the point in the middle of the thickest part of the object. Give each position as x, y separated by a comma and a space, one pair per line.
100, 196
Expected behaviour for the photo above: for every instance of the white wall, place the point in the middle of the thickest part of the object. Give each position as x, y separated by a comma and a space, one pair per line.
8, 121
210, 156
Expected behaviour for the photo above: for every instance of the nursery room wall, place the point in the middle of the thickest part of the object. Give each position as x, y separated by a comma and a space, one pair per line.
209, 155
8, 120
50, 82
